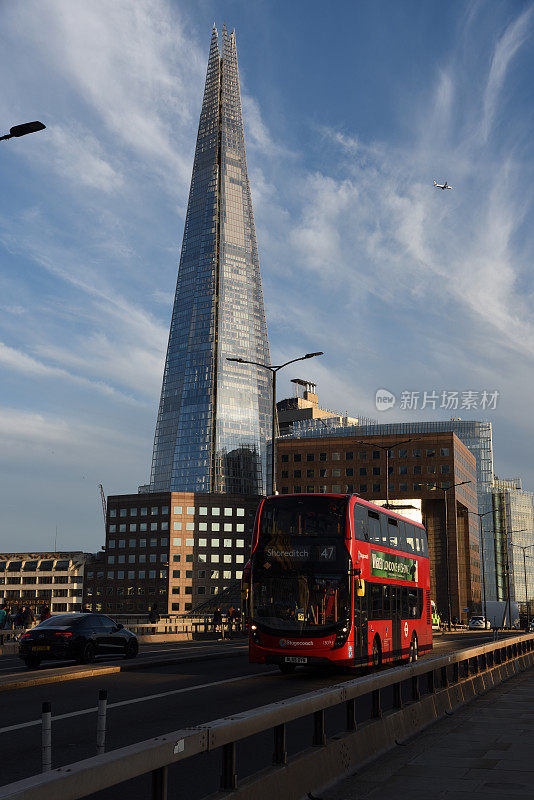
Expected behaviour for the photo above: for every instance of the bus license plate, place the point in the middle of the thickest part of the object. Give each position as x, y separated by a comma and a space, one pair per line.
41, 647
295, 660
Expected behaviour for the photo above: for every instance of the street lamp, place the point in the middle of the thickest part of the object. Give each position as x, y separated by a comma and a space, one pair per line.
521, 530
434, 487
22, 130
476, 514
273, 369
387, 449
524, 548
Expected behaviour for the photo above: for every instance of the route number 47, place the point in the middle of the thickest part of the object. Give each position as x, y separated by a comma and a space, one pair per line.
327, 553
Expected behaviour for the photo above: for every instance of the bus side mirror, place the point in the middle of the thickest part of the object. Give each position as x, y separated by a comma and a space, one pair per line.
360, 587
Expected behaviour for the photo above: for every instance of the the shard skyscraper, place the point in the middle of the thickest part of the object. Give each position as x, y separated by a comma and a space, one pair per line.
214, 415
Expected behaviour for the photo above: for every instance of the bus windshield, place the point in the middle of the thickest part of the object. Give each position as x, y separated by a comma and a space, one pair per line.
300, 567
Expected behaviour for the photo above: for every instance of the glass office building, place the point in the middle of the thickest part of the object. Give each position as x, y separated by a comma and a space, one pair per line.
215, 415
513, 509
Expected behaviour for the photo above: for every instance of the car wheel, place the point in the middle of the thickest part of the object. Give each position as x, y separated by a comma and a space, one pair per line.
32, 662
131, 649
377, 652
287, 669
89, 653
414, 650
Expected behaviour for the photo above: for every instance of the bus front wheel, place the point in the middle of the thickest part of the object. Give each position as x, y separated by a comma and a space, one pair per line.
377, 652
414, 650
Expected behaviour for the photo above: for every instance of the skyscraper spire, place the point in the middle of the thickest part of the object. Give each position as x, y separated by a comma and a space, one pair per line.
214, 415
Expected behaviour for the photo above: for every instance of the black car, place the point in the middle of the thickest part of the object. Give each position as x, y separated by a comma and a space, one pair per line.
78, 636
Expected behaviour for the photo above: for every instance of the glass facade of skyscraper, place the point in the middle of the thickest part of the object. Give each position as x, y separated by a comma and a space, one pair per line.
513, 510
214, 415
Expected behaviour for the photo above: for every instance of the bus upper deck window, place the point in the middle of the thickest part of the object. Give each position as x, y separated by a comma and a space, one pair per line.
410, 541
373, 522
393, 533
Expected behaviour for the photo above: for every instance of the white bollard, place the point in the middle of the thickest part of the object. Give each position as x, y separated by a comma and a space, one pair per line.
46, 737
101, 721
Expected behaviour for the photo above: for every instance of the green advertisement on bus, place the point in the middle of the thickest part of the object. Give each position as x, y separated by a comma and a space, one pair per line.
384, 565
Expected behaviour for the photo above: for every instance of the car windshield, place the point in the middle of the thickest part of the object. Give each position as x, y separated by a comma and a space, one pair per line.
60, 621
300, 568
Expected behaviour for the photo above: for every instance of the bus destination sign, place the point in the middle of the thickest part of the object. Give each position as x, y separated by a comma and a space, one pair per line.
384, 565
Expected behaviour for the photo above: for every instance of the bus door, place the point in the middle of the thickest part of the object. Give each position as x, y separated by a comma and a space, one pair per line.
396, 622
361, 617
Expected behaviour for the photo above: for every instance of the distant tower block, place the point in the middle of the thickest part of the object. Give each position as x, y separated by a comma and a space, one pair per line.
214, 415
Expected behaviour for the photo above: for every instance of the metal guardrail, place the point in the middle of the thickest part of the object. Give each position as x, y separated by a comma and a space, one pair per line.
445, 677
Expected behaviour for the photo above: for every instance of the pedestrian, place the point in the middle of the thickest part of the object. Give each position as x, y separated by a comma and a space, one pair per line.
217, 619
27, 617
230, 618
44, 613
17, 619
153, 614
3, 617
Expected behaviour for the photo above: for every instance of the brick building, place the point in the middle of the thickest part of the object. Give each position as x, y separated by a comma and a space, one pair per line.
43, 579
345, 465
170, 548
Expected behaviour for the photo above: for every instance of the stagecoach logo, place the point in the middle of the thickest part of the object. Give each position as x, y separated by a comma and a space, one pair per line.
289, 643
362, 555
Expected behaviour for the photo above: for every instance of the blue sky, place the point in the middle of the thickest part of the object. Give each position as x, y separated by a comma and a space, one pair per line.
351, 110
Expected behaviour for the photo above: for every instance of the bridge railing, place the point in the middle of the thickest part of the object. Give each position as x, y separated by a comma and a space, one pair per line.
421, 692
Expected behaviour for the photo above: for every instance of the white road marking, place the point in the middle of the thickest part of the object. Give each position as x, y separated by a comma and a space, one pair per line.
84, 711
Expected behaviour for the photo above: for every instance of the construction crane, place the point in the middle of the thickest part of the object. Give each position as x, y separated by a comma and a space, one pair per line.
103, 499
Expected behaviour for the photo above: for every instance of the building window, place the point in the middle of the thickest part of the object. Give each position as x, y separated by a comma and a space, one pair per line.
310, 473
376, 470
376, 454
123, 512
111, 543
322, 456
131, 559
336, 473
176, 606
177, 526
285, 473
240, 512
214, 558
376, 487
430, 470
362, 455
417, 469
120, 574
202, 542
416, 452
215, 542
323, 473
336, 456
297, 473
165, 509
142, 542
111, 574
144, 511
285, 458
403, 487
310, 456
164, 526
113, 512
133, 528
349, 471
445, 468
444, 451
133, 512
215, 526
111, 559
310, 489
349, 455
336, 488
417, 487
143, 527
363, 470
177, 509
349, 488
285, 490
403, 453
112, 528
403, 470
190, 526
142, 558
176, 558
297, 489
430, 452
122, 542
363, 488
215, 511
177, 542
122, 528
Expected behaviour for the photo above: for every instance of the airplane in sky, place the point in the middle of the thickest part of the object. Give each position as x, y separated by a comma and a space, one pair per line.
442, 185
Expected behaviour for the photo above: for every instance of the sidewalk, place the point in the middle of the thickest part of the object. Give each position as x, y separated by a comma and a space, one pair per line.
484, 750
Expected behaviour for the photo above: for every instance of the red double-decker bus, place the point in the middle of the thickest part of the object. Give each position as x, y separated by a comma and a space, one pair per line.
335, 579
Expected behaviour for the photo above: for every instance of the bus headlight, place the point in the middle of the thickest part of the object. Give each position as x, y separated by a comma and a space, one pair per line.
254, 635
342, 636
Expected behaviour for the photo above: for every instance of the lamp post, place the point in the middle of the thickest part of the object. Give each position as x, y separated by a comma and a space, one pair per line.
273, 369
521, 530
524, 549
434, 487
476, 514
22, 130
387, 449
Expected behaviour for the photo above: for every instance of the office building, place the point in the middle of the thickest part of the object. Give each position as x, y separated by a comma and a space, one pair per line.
170, 548
513, 520
418, 469
304, 405
214, 415
43, 579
